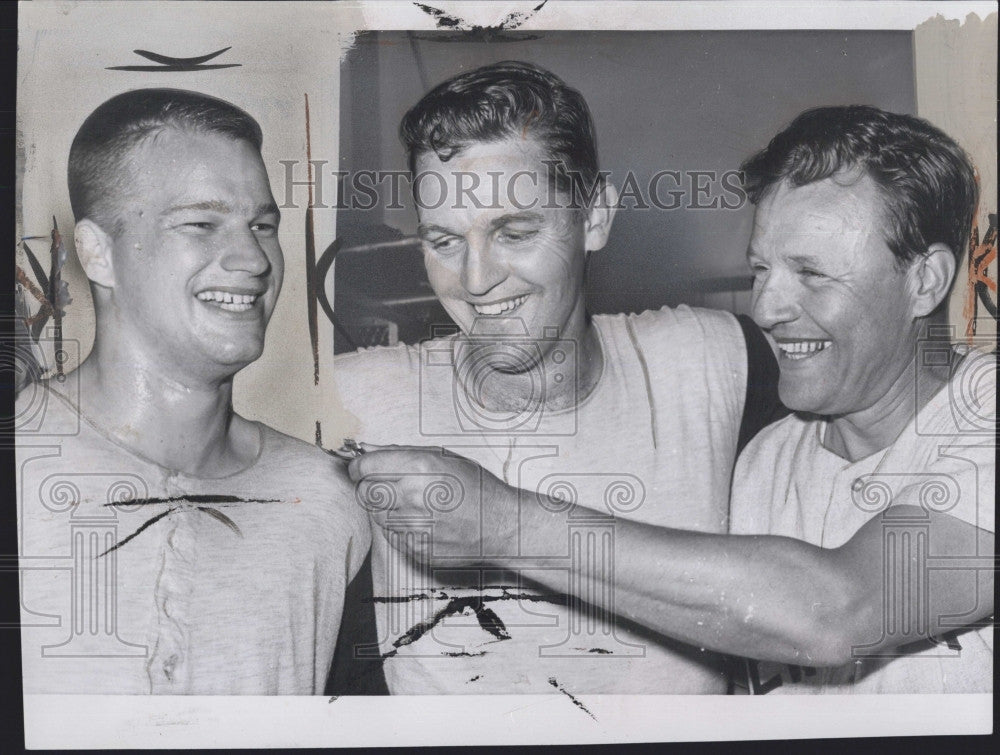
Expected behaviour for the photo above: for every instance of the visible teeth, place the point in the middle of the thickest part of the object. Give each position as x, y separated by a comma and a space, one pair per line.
802, 349
499, 307
228, 301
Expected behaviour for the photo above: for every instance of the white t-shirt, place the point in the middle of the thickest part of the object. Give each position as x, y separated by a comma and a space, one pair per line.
787, 483
238, 588
654, 441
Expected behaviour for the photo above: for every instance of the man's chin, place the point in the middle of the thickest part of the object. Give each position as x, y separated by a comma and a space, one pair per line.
802, 399
230, 358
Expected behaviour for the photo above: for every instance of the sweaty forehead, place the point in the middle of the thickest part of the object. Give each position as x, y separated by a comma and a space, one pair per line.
174, 165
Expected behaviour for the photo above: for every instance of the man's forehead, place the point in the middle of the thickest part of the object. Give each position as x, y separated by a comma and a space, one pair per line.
177, 150
486, 184
828, 222
826, 207
507, 156
196, 170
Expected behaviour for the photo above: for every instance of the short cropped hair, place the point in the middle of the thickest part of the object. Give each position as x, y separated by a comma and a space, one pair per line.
97, 158
499, 101
927, 183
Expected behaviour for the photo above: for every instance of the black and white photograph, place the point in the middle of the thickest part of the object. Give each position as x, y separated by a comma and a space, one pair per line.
565, 371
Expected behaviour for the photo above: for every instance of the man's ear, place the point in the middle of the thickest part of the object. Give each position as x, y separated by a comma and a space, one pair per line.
600, 217
933, 273
93, 247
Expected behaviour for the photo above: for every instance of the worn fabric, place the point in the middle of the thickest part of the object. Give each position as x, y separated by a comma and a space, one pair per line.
654, 441
218, 586
787, 483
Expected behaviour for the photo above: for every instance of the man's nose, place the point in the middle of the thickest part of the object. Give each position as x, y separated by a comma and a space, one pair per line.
481, 270
244, 253
774, 300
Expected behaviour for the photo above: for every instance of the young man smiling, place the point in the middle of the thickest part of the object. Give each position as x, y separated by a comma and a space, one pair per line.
640, 413
214, 552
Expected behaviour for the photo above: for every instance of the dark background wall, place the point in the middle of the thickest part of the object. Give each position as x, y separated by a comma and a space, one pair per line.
684, 101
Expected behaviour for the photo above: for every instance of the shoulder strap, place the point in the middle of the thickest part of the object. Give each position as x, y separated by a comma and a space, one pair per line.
762, 405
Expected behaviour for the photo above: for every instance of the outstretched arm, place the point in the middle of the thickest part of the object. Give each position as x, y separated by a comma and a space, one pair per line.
782, 599
765, 597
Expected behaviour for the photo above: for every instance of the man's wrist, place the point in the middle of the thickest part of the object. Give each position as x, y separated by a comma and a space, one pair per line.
500, 521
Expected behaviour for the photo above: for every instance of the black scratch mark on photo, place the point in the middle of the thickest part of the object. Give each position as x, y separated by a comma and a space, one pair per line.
220, 517
172, 64
147, 523
404, 598
577, 703
511, 21
488, 620
193, 499
213, 513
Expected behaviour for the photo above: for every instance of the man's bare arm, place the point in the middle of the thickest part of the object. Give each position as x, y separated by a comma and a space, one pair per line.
777, 598
765, 597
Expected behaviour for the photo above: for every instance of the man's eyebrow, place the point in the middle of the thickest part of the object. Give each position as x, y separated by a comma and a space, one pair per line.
215, 205
425, 229
212, 205
805, 259
516, 218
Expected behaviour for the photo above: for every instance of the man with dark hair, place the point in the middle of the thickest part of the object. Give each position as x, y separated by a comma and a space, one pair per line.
861, 558
190, 550
640, 414
926, 183
502, 101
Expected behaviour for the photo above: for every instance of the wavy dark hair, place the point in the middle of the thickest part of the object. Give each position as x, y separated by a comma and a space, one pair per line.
927, 182
503, 100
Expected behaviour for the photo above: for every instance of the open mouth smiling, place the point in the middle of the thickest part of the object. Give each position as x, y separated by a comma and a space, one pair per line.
228, 300
499, 307
802, 349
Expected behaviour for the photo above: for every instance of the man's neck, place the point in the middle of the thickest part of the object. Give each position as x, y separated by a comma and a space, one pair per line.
178, 423
548, 383
860, 434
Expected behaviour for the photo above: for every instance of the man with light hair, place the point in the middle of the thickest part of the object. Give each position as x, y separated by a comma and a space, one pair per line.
167, 544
